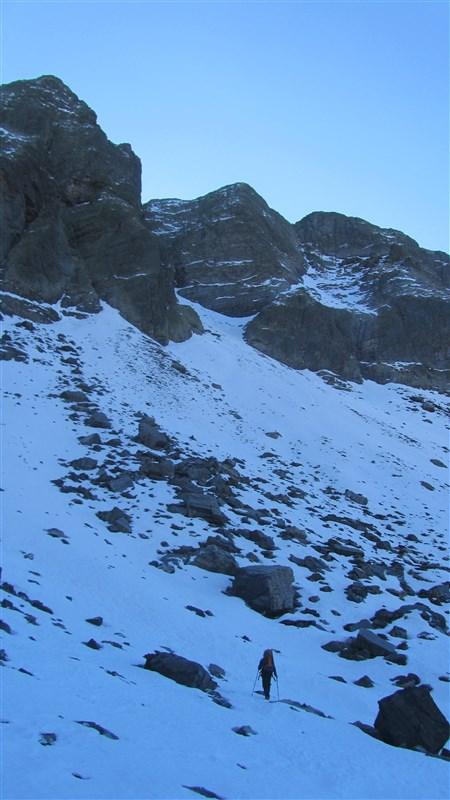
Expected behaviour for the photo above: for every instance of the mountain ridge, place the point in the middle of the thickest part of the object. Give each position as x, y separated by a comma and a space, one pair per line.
75, 231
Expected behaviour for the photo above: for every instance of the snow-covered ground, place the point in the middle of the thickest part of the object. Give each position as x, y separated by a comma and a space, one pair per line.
218, 397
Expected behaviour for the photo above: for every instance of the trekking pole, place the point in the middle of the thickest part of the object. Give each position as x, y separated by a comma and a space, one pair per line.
257, 675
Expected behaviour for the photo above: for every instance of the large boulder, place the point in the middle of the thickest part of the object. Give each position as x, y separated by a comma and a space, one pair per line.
267, 589
411, 718
181, 670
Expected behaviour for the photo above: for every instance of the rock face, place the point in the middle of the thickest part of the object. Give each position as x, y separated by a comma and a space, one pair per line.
331, 292
230, 251
373, 304
411, 718
70, 206
181, 670
269, 590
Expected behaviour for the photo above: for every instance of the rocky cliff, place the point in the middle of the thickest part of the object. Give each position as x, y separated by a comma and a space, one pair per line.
73, 228
331, 292
230, 251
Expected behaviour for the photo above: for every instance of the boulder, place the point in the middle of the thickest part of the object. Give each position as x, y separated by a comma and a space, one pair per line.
439, 594
411, 718
98, 420
157, 468
214, 559
151, 436
200, 504
85, 464
268, 590
118, 521
181, 670
121, 483
355, 497
344, 548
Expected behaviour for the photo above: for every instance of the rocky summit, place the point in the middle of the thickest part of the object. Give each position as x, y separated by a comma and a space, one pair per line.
73, 231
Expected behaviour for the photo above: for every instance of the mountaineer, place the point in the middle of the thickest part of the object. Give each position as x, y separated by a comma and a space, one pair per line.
266, 668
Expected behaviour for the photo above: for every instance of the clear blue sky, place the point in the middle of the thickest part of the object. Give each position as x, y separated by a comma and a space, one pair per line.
334, 106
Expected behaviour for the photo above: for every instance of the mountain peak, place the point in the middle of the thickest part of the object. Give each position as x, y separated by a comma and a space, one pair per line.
338, 233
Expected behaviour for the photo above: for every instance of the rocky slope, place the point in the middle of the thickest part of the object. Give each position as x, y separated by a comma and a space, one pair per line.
72, 224
143, 485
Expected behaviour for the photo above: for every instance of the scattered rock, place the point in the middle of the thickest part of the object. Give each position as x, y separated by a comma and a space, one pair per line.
398, 632
354, 497
203, 792
306, 707
85, 464
438, 595
157, 468
200, 504
118, 521
99, 728
95, 621
47, 739
244, 730
181, 670
93, 644
121, 483
90, 440
213, 559
73, 396
365, 681
151, 435
98, 420
344, 548
56, 534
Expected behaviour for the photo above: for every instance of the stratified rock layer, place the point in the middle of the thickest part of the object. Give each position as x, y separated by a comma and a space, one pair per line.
230, 251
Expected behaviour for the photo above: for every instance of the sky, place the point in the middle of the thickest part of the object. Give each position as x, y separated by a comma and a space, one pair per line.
320, 106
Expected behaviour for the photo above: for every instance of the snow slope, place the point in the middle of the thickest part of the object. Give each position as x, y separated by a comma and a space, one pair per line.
216, 397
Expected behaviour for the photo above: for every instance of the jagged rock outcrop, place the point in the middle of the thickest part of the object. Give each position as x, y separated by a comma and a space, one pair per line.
72, 222
230, 251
